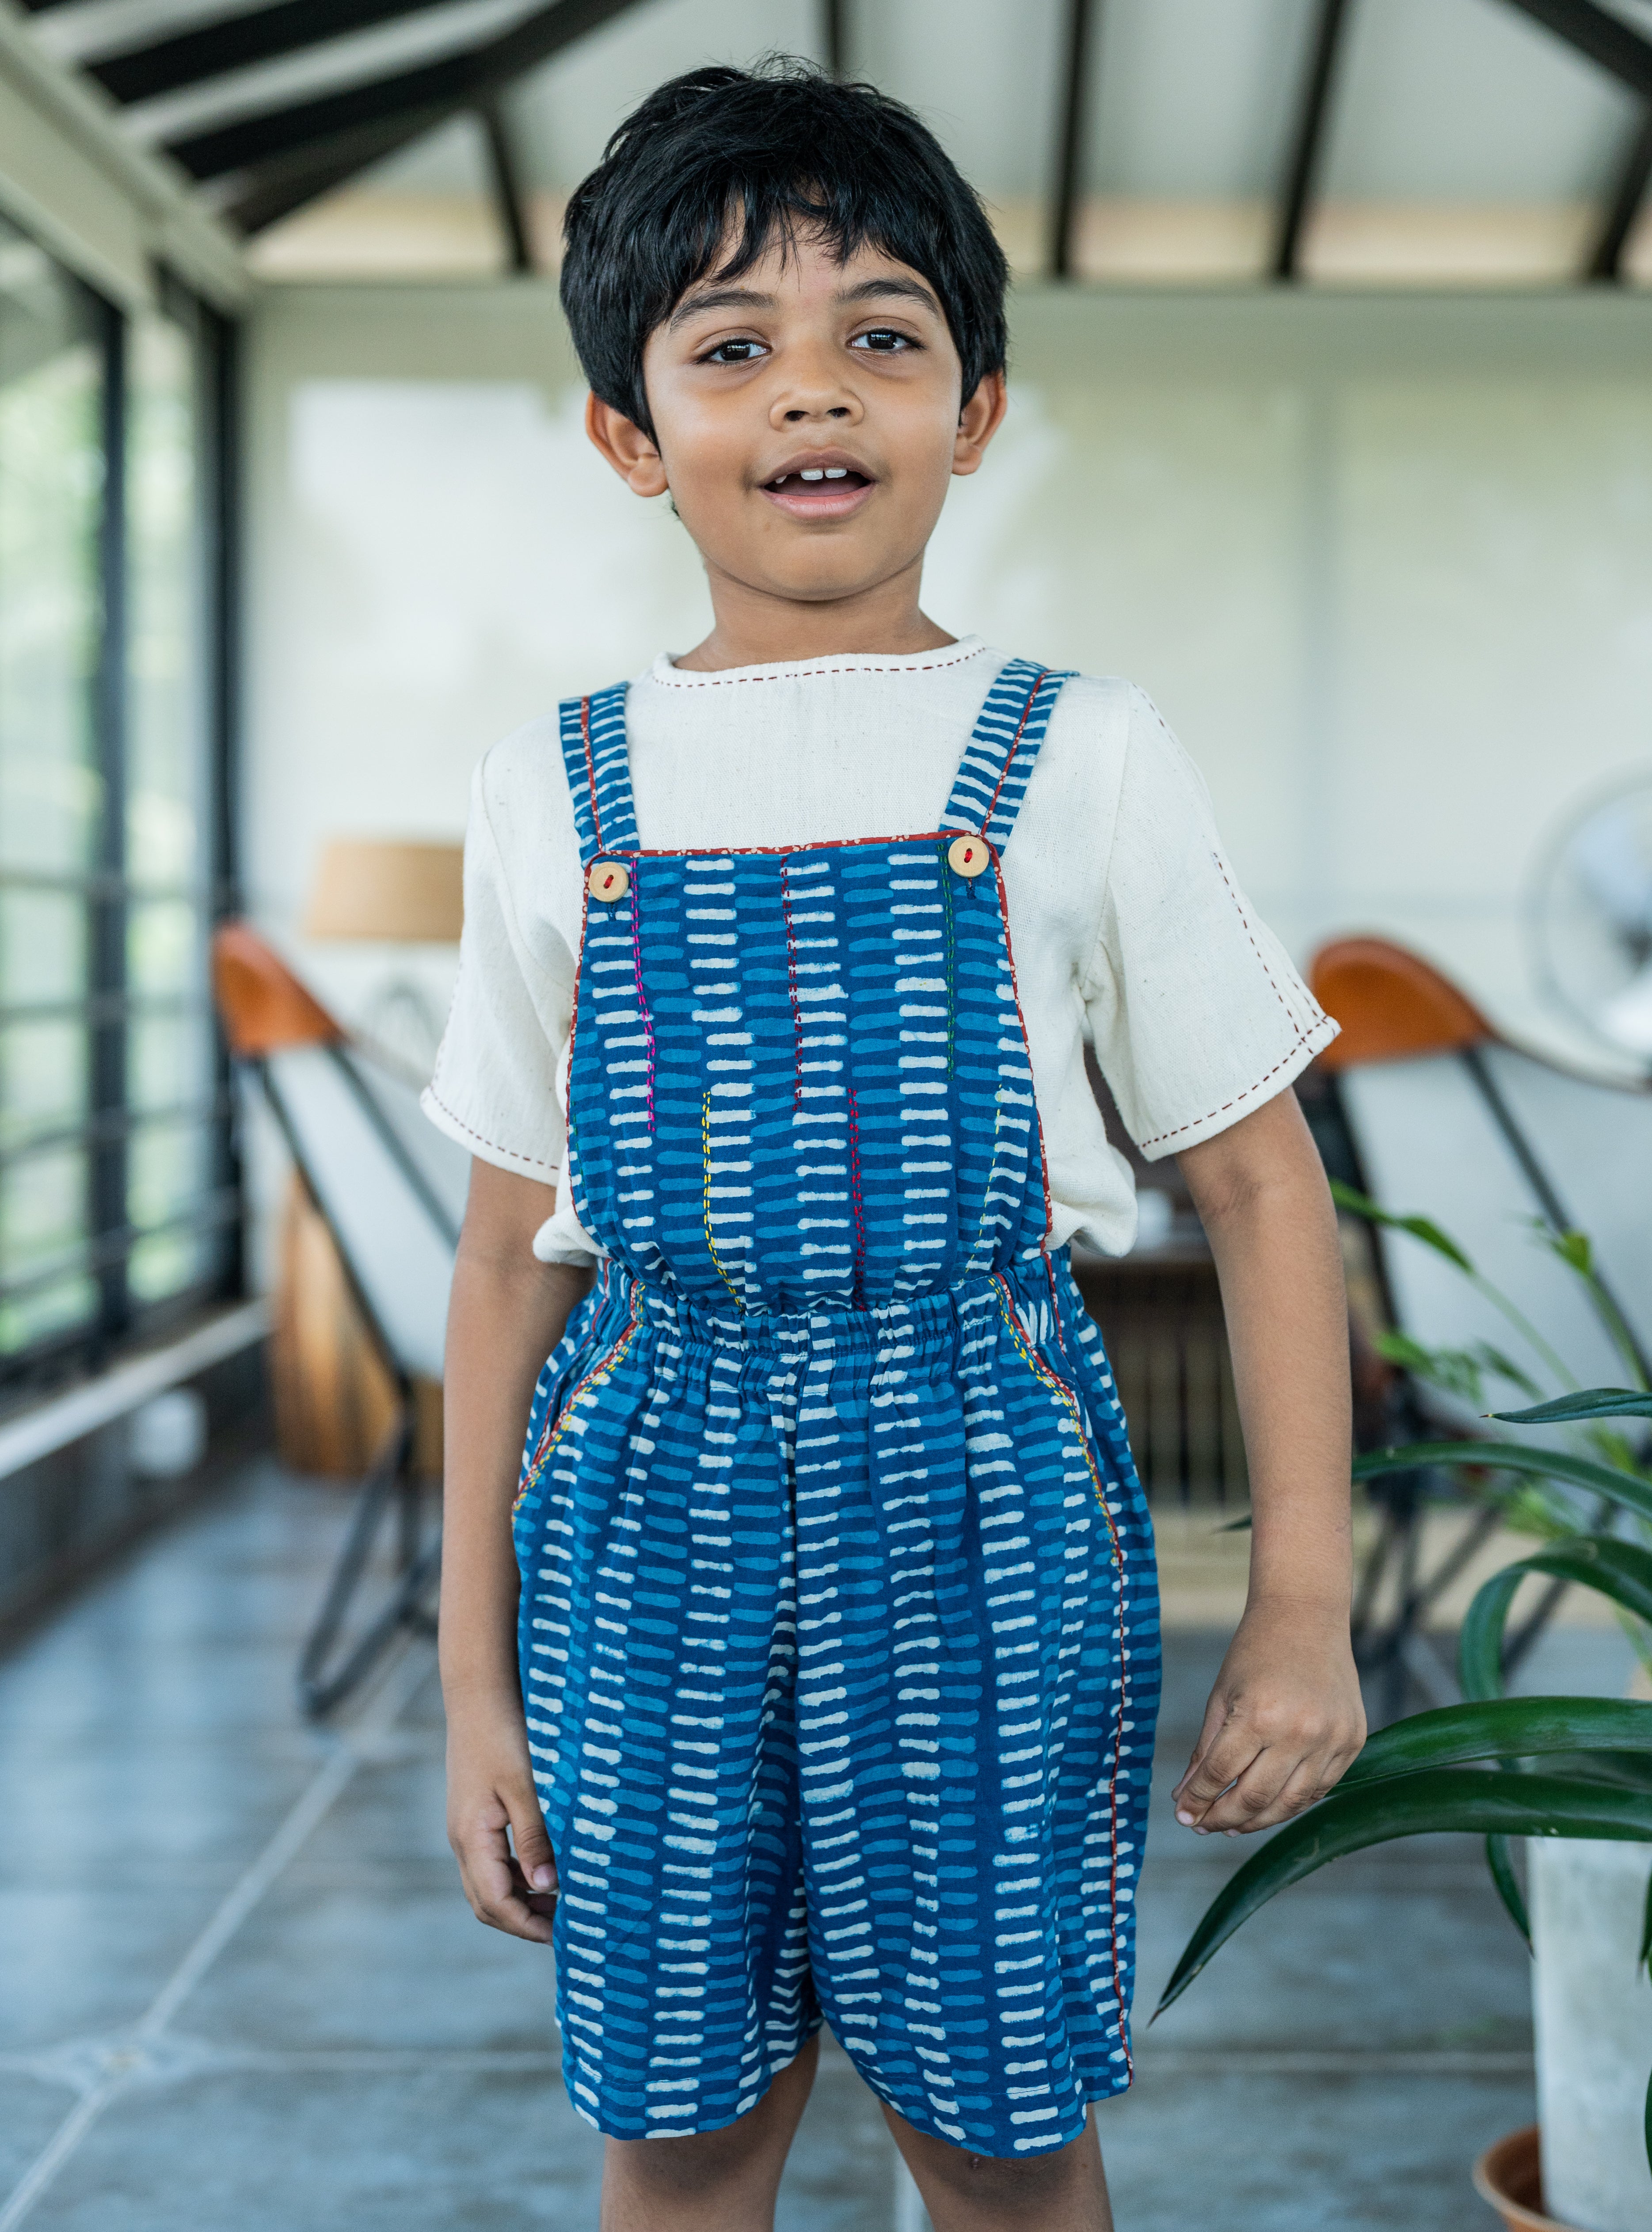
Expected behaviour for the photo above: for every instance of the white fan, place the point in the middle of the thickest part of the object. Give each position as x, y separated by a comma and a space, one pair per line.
1592, 918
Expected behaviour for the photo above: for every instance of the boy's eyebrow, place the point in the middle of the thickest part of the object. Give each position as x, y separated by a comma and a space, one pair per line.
870, 290
752, 298
721, 298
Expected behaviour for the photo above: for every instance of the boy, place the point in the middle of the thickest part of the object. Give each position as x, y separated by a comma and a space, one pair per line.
821, 1683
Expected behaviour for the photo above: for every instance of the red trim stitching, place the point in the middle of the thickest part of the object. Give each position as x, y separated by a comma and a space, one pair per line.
804, 845
497, 1145
573, 1027
1021, 1021
590, 769
1311, 1040
1049, 1378
1255, 948
642, 998
1015, 746
600, 1370
859, 1288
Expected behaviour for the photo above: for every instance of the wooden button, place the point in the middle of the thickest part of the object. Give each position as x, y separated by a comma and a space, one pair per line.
968, 855
609, 880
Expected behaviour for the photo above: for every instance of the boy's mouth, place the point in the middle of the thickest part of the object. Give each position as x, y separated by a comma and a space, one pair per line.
826, 488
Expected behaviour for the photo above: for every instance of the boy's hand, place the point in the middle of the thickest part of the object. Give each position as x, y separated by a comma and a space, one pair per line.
1285, 1719
490, 1793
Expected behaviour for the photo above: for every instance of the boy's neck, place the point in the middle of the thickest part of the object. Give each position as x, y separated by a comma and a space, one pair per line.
752, 628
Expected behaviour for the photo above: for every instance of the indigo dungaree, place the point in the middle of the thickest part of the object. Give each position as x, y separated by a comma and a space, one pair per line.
839, 1626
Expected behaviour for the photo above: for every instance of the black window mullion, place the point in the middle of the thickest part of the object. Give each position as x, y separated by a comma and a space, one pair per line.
219, 370
106, 906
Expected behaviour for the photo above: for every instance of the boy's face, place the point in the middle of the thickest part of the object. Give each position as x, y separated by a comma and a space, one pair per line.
807, 420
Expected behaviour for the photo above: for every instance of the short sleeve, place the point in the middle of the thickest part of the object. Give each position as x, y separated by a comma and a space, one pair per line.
494, 1089
1194, 1009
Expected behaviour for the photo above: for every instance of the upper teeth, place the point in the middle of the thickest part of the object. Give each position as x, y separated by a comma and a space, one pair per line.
822, 472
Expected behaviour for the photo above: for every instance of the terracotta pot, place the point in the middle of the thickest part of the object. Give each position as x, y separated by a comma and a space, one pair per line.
1510, 2176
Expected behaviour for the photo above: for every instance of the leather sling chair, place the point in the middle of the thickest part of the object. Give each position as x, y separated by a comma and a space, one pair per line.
1441, 1115
391, 1191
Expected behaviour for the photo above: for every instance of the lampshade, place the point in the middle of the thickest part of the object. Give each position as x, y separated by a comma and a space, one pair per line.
395, 892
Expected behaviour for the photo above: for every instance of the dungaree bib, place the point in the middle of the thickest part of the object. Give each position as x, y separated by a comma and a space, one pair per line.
838, 1624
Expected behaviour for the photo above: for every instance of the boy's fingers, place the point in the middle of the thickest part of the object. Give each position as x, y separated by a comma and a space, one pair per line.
538, 1861
498, 1899
1211, 1771
1253, 1797
493, 1883
1271, 1796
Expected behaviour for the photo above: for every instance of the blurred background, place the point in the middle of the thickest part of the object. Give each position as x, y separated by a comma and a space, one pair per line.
1331, 427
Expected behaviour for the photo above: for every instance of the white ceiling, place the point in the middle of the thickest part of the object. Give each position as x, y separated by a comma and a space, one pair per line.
1439, 104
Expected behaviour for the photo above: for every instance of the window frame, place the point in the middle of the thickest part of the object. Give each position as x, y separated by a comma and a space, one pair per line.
109, 894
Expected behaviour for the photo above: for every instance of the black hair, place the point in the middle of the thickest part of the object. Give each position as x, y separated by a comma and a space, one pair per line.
757, 155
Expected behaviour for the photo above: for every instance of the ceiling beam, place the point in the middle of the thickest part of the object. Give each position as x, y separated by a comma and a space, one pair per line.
508, 198
417, 97
1606, 261
1307, 141
1606, 39
237, 43
289, 183
1072, 116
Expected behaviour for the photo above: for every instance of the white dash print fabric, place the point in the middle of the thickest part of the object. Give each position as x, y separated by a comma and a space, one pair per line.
839, 1625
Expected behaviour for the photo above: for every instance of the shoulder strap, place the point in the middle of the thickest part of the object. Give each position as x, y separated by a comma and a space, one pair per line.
993, 775
599, 772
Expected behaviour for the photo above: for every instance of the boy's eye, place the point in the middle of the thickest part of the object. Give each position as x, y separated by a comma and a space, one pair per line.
734, 351
884, 341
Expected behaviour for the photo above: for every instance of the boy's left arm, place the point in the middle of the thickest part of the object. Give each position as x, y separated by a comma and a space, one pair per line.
1285, 1716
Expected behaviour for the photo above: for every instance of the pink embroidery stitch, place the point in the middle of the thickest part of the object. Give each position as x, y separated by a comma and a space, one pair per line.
792, 975
855, 1200
636, 960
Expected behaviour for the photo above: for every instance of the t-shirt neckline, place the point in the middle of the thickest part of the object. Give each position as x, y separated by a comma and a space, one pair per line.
671, 677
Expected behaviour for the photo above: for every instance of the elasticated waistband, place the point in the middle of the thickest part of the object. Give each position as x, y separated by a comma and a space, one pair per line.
920, 1321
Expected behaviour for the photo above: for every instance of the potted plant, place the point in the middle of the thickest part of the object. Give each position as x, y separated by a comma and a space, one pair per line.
1573, 1774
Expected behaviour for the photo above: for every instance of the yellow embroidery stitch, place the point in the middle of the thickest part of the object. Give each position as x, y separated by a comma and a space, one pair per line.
1064, 1394
705, 1166
593, 1378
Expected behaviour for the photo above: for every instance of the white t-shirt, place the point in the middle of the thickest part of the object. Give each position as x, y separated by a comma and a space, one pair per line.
1128, 930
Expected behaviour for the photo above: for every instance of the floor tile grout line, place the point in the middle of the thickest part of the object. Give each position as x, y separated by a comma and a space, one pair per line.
388, 1701
57, 2151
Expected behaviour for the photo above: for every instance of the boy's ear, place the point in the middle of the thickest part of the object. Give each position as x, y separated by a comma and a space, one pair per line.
977, 422
627, 448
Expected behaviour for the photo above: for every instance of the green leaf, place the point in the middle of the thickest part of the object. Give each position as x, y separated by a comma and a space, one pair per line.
1505, 1803
1420, 1228
1620, 1571
1503, 1728
1492, 1359
1500, 1862
1629, 1488
1629, 1770
1588, 1402
1457, 1370
1572, 1248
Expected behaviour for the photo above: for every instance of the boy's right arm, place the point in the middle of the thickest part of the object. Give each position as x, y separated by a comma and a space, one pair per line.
506, 1314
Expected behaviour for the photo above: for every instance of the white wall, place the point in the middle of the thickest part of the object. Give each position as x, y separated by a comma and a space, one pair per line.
1385, 563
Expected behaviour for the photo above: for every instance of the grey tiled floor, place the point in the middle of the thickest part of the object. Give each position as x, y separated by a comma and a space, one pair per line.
345, 2047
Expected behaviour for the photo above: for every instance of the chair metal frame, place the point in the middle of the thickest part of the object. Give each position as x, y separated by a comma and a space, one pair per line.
266, 1010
